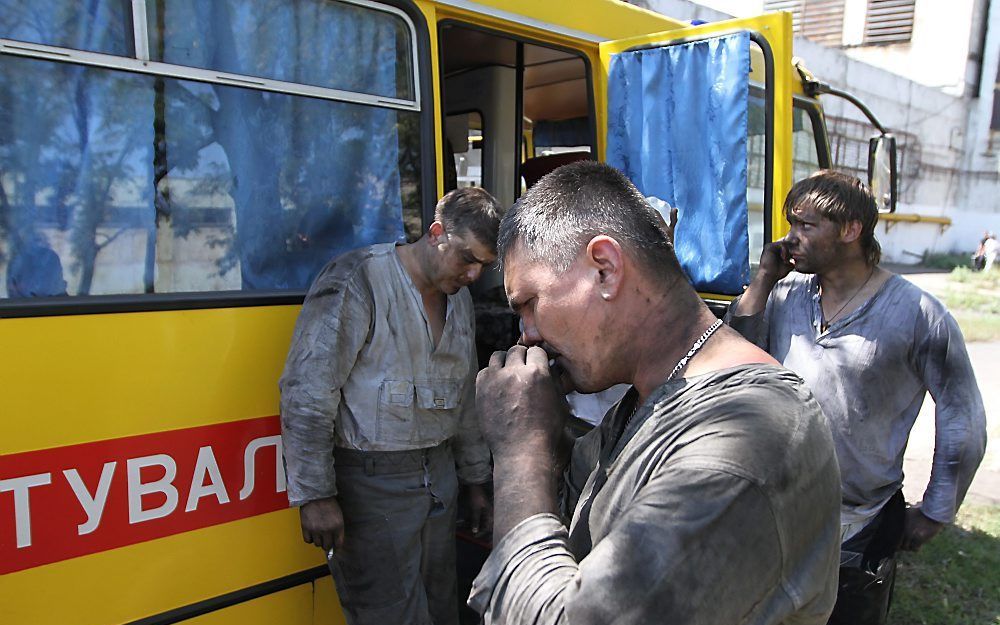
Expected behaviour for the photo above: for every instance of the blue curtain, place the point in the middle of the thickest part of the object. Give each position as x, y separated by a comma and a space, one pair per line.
91, 25
295, 167
94, 163
75, 151
677, 127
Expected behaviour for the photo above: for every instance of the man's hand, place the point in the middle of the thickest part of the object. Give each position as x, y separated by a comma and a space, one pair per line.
322, 523
480, 509
775, 262
521, 409
522, 413
918, 529
672, 225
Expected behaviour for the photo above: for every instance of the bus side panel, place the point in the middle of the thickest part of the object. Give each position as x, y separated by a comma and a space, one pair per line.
139, 470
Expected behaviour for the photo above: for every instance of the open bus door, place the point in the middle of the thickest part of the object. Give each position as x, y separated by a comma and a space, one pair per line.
701, 117
664, 125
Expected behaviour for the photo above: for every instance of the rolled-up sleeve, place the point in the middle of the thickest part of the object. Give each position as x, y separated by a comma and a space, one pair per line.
753, 328
664, 560
329, 334
960, 419
472, 455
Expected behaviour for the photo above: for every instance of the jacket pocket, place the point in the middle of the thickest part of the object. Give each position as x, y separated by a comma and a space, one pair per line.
438, 401
394, 421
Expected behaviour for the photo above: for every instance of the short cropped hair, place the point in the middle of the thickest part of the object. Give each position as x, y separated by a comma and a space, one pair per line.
841, 199
472, 210
571, 205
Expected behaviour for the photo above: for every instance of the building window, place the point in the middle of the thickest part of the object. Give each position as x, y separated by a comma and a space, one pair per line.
821, 21
889, 21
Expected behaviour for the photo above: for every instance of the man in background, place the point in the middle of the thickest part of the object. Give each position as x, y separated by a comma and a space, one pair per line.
377, 409
870, 344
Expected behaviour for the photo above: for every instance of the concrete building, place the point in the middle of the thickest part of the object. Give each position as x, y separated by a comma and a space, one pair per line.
929, 71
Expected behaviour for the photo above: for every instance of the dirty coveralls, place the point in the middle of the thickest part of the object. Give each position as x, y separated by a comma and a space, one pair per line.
716, 504
870, 371
374, 414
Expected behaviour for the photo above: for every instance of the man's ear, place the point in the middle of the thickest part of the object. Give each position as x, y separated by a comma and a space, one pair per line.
851, 231
435, 234
604, 254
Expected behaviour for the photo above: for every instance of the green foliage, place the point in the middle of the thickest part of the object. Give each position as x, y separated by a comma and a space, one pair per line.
945, 261
954, 579
973, 297
978, 327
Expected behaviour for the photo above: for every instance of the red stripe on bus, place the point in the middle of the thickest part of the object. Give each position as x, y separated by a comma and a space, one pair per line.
51, 499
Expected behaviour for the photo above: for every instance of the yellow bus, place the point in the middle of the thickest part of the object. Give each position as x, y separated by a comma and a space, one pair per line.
173, 173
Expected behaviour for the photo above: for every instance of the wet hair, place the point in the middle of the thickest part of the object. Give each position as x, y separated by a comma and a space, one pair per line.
471, 210
568, 207
841, 199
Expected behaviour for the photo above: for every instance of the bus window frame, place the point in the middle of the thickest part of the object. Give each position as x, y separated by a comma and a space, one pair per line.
195, 300
815, 112
521, 40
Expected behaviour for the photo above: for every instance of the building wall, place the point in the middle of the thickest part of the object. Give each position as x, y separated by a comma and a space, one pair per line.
948, 166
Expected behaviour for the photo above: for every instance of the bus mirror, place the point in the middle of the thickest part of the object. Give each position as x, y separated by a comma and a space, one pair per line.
882, 174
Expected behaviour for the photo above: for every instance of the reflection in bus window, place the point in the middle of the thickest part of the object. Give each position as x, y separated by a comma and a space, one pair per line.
152, 184
465, 139
95, 26
308, 42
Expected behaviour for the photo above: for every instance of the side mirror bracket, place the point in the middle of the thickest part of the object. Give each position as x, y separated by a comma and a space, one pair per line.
882, 169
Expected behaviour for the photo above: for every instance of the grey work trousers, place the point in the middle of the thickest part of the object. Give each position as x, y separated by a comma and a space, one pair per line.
397, 565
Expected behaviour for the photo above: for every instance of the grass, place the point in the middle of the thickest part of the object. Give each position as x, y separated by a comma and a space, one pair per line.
955, 578
977, 327
974, 300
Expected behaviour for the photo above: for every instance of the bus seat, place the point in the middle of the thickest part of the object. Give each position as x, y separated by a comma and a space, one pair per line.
533, 169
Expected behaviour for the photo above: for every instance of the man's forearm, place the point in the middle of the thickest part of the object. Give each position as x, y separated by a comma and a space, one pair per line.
307, 446
754, 299
522, 487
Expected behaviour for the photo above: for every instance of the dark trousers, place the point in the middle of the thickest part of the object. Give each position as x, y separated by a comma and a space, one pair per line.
868, 568
398, 560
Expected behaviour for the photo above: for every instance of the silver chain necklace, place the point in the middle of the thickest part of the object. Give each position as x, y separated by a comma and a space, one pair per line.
682, 362
825, 323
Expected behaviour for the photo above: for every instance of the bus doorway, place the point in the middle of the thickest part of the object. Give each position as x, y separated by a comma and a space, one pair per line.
513, 110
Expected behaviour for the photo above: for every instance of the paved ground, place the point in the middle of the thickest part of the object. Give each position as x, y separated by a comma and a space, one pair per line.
917, 461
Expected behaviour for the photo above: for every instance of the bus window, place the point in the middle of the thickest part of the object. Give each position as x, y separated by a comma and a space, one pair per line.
556, 104
102, 26
522, 92
756, 158
183, 176
465, 140
805, 144
534, 100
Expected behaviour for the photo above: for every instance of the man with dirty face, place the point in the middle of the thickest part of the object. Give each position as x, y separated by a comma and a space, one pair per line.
871, 345
709, 493
377, 409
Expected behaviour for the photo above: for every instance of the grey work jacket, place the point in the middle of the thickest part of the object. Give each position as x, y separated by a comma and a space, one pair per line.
870, 371
363, 373
718, 504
